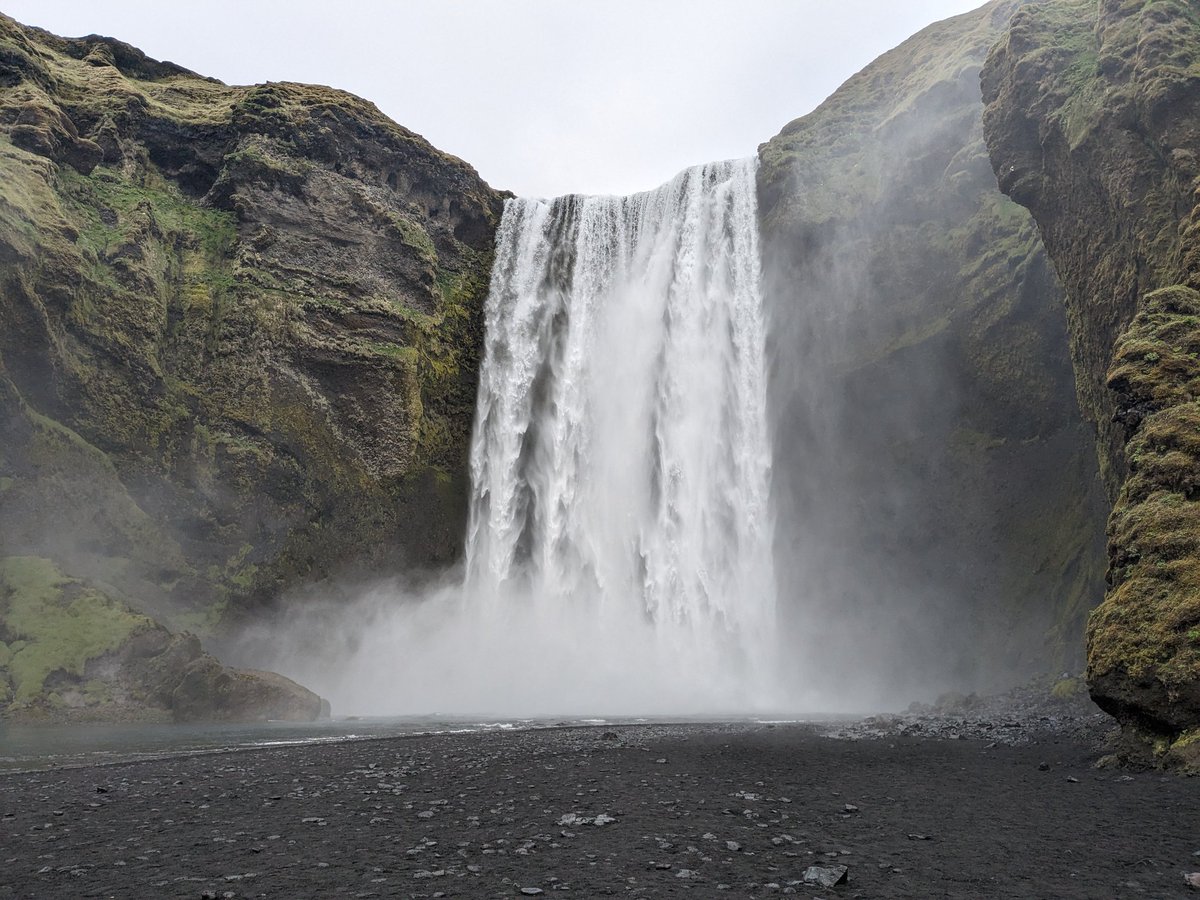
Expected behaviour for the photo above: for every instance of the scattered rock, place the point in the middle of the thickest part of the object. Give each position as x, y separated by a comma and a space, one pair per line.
576, 819
826, 876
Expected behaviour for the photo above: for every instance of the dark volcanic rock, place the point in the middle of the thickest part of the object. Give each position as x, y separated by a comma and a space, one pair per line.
826, 876
70, 652
1093, 123
241, 329
209, 692
338, 819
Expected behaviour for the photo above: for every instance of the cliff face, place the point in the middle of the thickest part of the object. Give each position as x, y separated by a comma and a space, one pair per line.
240, 329
940, 513
1093, 123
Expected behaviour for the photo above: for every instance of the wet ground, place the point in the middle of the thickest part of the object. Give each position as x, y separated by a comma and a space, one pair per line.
738, 810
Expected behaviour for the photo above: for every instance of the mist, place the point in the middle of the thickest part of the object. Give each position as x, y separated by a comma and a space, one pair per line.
877, 491
618, 554
878, 545
434, 650
935, 487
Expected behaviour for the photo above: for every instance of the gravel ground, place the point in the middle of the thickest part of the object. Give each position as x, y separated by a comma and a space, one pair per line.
735, 810
1024, 715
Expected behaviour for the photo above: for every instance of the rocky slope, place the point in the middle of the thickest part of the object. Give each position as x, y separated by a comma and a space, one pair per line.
240, 330
1093, 123
73, 653
940, 514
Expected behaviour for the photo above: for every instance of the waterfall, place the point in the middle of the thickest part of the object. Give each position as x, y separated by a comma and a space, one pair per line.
618, 555
619, 520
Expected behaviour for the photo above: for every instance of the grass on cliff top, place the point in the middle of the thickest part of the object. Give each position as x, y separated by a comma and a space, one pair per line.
1105, 62
54, 623
835, 151
104, 85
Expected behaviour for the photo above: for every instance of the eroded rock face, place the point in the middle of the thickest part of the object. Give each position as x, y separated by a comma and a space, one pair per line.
241, 329
209, 691
155, 669
936, 483
241, 324
1093, 124
70, 652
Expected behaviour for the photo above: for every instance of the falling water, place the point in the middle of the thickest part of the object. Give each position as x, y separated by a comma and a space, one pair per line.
620, 461
619, 543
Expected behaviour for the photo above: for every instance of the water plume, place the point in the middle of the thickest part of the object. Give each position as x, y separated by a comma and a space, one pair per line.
618, 553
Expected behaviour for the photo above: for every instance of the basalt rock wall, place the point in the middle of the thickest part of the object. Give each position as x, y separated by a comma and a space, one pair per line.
1093, 124
239, 330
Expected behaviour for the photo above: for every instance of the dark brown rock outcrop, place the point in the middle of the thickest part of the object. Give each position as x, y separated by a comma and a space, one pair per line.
239, 330
1093, 124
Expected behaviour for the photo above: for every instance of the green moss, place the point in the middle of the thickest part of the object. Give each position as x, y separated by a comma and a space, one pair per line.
1068, 689
259, 157
1154, 361
1183, 754
1149, 626
413, 236
203, 622
27, 204
205, 365
398, 352
113, 209
63, 624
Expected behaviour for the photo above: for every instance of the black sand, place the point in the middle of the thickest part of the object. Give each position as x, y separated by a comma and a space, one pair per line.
720, 810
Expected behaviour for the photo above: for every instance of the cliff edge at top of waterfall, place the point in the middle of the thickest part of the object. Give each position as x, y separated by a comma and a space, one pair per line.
239, 346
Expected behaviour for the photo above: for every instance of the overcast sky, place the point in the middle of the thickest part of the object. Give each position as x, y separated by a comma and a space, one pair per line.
543, 97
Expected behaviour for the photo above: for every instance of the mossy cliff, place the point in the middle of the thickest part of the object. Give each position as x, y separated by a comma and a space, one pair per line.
70, 651
929, 444
1093, 124
240, 329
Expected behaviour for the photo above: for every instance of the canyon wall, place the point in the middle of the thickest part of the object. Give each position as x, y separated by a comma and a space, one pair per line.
240, 338
1093, 124
940, 516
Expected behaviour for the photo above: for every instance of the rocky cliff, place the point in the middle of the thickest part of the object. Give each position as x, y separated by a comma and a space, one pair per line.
1093, 123
940, 515
239, 330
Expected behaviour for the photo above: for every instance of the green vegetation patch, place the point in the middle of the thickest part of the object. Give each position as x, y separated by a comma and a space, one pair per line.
111, 208
55, 623
1068, 688
1150, 623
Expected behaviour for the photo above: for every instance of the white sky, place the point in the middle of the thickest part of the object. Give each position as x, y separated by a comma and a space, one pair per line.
543, 97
